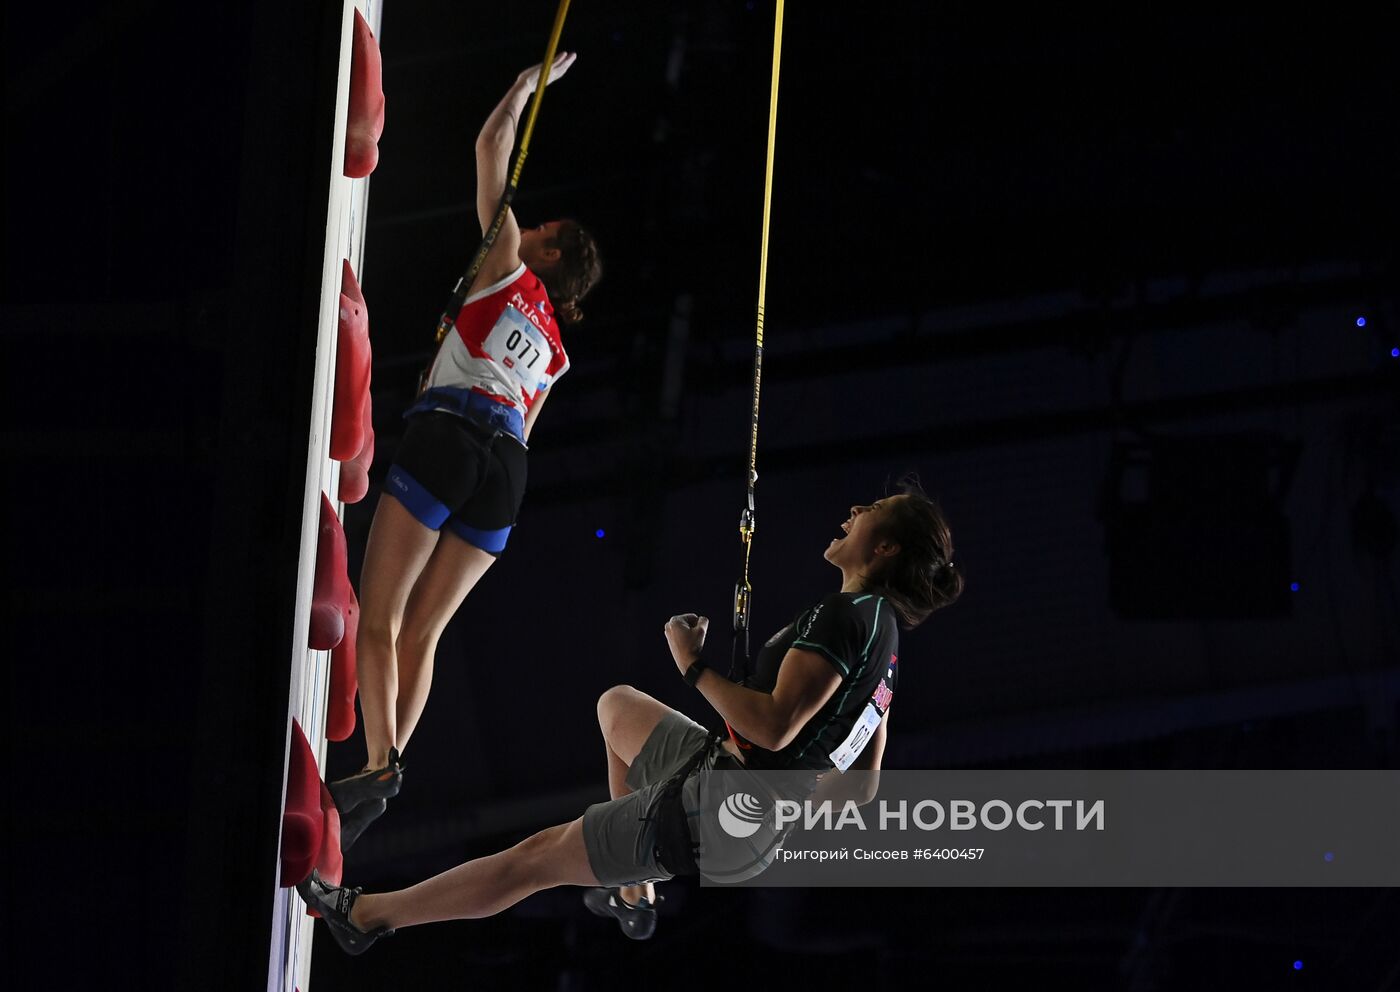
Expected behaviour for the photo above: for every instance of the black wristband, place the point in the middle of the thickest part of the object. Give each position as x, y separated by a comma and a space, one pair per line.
692, 674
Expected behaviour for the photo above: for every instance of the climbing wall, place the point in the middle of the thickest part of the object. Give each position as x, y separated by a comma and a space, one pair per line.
340, 447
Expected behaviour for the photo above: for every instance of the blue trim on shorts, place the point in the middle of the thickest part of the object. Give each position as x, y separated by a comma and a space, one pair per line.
471, 405
426, 508
490, 541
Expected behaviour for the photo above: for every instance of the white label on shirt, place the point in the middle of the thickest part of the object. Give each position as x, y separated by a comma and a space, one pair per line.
856, 740
520, 349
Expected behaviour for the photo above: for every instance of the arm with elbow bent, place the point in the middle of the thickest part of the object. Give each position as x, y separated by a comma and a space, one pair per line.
806, 680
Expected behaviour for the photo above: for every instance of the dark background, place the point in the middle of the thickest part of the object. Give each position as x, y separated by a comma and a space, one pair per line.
1097, 279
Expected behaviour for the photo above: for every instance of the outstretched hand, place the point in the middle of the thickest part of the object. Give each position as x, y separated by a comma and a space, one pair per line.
560, 65
686, 636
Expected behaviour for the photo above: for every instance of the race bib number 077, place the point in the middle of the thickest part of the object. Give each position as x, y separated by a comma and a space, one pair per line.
520, 348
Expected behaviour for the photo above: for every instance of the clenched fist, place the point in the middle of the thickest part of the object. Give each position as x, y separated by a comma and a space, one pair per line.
685, 634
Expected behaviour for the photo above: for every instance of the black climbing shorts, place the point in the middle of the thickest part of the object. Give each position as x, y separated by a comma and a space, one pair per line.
462, 474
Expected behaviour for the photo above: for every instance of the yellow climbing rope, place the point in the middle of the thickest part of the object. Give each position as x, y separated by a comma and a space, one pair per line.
459, 292
743, 591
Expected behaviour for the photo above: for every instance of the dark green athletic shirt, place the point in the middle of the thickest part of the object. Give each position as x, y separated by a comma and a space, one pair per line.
859, 635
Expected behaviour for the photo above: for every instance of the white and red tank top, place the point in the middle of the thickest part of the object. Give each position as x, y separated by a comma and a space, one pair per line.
505, 344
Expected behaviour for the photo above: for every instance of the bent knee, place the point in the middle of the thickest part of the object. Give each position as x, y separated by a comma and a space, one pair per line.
615, 701
614, 696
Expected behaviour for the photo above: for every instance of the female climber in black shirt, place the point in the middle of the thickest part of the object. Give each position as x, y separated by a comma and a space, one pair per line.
817, 699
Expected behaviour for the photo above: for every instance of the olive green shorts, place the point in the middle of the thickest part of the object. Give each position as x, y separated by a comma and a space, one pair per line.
619, 836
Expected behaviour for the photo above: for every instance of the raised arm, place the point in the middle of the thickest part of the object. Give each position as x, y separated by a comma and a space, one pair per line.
493, 163
806, 681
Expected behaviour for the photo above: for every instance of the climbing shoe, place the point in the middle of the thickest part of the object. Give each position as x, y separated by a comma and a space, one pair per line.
334, 903
637, 922
376, 783
353, 823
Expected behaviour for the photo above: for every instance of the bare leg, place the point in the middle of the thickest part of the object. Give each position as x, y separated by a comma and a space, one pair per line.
486, 886
617, 773
399, 547
451, 572
627, 718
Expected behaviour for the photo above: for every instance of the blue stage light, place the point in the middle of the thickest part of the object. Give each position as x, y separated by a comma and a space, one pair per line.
1360, 321
1297, 966
1328, 857
1293, 586
600, 533
1395, 352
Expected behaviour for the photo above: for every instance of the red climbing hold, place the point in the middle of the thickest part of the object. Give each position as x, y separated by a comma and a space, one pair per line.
340, 710
330, 592
354, 474
352, 370
331, 862
303, 820
365, 122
